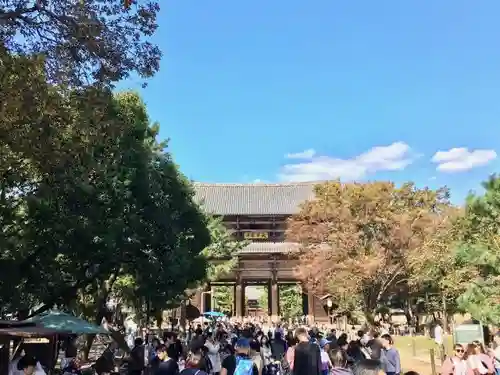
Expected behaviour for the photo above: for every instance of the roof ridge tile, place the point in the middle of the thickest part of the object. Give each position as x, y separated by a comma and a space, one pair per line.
253, 199
270, 184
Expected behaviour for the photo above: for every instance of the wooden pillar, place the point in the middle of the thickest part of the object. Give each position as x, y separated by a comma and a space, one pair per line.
305, 303
238, 298
244, 306
212, 300
207, 299
269, 299
275, 305
310, 308
269, 302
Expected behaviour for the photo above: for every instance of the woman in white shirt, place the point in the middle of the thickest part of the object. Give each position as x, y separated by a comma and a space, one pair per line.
495, 353
213, 347
477, 360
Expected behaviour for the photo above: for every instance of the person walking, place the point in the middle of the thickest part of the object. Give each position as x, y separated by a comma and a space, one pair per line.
278, 345
195, 365
338, 359
478, 361
392, 358
213, 347
326, 364
266, 354
307, 358
456, 363
240, 363
495, 353
167, 365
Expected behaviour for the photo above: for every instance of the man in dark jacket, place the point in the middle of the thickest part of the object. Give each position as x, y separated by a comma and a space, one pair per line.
307, 359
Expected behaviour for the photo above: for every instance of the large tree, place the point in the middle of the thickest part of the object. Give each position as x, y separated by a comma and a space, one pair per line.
356, 238
477, 254
87, 195
223, 299
433, 275
82, 42
221, 257
290, 301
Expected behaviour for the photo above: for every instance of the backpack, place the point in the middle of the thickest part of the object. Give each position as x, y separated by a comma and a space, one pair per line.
244, 366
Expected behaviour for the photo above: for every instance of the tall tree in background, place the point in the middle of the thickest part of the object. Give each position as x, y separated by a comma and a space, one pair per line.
221, 256
264, 298
477, 256
433, 271
85, 191
223, 299
356, 238
83, 42
290, 300
222, 253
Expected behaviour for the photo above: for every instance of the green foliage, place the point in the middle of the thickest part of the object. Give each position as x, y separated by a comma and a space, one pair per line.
87, 197
481, 297
359, 240
264, 298
482, 213
222, 252
83, 41
290, 300
223, 299
477, 257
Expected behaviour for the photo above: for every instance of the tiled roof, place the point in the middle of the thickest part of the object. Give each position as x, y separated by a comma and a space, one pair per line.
269, 248
253, 199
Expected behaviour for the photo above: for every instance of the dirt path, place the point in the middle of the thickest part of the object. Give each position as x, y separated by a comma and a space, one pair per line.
420, 365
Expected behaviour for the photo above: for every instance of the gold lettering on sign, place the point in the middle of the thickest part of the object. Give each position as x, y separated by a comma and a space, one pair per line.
39, 340
256, 235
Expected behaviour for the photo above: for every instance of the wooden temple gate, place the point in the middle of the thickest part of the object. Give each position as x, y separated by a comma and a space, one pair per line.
254, 270
258, 213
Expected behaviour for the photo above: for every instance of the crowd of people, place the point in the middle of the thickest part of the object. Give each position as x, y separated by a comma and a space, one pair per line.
223, 348
229, 348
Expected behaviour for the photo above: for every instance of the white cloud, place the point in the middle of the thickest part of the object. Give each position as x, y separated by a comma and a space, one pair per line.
304, 155
396, 156
460, 159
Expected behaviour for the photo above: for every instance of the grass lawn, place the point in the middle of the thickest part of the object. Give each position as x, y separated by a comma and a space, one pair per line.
415, 353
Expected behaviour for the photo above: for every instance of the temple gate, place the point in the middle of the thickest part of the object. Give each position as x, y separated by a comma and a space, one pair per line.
258, 213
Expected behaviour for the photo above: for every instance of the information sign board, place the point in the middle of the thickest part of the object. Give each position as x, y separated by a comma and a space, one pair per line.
466, 333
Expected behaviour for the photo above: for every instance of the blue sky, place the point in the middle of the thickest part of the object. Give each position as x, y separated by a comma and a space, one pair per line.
363, 90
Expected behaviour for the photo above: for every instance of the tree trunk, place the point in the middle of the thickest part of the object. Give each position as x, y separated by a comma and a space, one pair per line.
370, 318
445, 314
101, 310
410, 318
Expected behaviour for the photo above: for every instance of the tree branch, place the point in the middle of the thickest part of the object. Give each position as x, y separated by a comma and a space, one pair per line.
18, 13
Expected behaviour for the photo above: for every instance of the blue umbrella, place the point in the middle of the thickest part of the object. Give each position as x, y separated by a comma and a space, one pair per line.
214, 314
